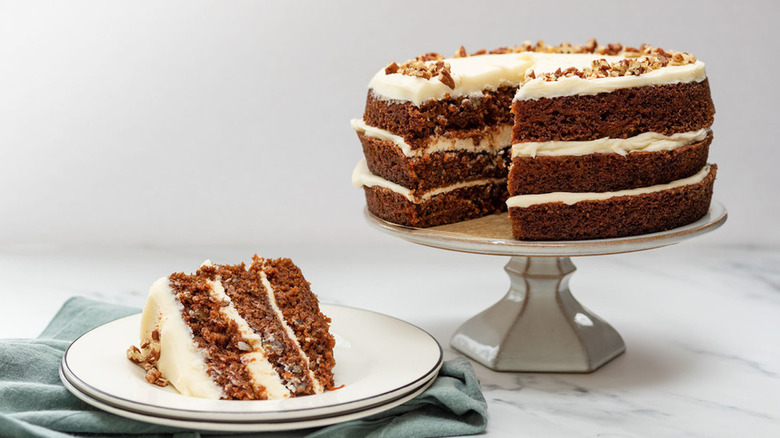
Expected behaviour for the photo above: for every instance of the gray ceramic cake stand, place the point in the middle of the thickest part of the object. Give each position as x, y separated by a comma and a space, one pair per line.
538, 325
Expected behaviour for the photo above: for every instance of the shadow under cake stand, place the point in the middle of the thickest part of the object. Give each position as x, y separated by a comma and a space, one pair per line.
538, 325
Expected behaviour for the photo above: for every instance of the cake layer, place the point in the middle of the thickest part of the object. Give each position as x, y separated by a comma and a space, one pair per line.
602, 172
303, 319
576, 216
255, 301
216, 335
362, 177
416, 124
623, 113
444, 208
434, 170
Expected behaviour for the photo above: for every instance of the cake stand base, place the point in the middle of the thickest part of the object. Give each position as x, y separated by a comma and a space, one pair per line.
538, 325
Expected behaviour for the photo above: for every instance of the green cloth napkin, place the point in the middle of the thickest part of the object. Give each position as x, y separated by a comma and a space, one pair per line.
34, 403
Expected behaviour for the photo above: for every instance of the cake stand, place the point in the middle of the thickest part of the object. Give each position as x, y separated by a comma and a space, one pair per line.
538, 325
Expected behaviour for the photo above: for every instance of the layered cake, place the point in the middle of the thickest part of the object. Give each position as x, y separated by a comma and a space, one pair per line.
577, 142
236, 332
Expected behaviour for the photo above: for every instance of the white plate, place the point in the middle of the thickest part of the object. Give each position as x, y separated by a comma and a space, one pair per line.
245, 427
378, 360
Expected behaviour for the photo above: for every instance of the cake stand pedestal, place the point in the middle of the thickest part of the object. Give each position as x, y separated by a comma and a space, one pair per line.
538, 325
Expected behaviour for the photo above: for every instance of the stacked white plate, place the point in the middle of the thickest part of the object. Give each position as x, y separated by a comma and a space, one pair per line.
381, 362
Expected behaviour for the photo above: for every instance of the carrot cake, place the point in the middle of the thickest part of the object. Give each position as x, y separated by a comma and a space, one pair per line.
236, 332
578, 142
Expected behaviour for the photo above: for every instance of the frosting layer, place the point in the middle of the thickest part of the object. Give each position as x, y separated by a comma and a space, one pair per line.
570, 86
362, 177
523, 201
491, 139
290, 333
472, 74
645, 142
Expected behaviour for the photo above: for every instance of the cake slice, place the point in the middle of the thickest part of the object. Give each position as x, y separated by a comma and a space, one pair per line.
236, 332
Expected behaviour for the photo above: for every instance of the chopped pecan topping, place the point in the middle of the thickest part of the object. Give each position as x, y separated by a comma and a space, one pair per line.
444, 75
426, 66
154, 376
430, 56
609, 49
526, 46
637, 61
134, 354
147, 357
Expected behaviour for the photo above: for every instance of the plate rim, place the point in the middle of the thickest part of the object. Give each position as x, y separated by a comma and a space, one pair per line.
249, 426
186, 414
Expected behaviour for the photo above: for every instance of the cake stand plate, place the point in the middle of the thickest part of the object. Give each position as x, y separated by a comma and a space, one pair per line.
538, 326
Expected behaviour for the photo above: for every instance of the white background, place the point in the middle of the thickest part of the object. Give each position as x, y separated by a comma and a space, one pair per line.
192, 122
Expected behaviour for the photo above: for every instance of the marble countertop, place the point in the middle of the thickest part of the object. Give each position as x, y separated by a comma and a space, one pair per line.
701, 323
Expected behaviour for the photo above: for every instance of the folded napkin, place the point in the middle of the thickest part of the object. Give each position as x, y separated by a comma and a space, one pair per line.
34, 403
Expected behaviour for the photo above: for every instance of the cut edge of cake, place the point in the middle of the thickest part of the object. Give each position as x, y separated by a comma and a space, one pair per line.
229, 332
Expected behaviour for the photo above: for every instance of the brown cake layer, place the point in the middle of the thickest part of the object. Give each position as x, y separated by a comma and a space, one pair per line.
426, 172
301, 311
246, 291
446, 208
605, 172
223, 343
623, 113
615, 217
416, 123
214, 334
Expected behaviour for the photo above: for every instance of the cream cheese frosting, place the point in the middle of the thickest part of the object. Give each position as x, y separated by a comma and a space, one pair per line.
491, 139
181, 361
523, 201
290, 333
260, 369
645, 142
570, 86
362, 177
473, 74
